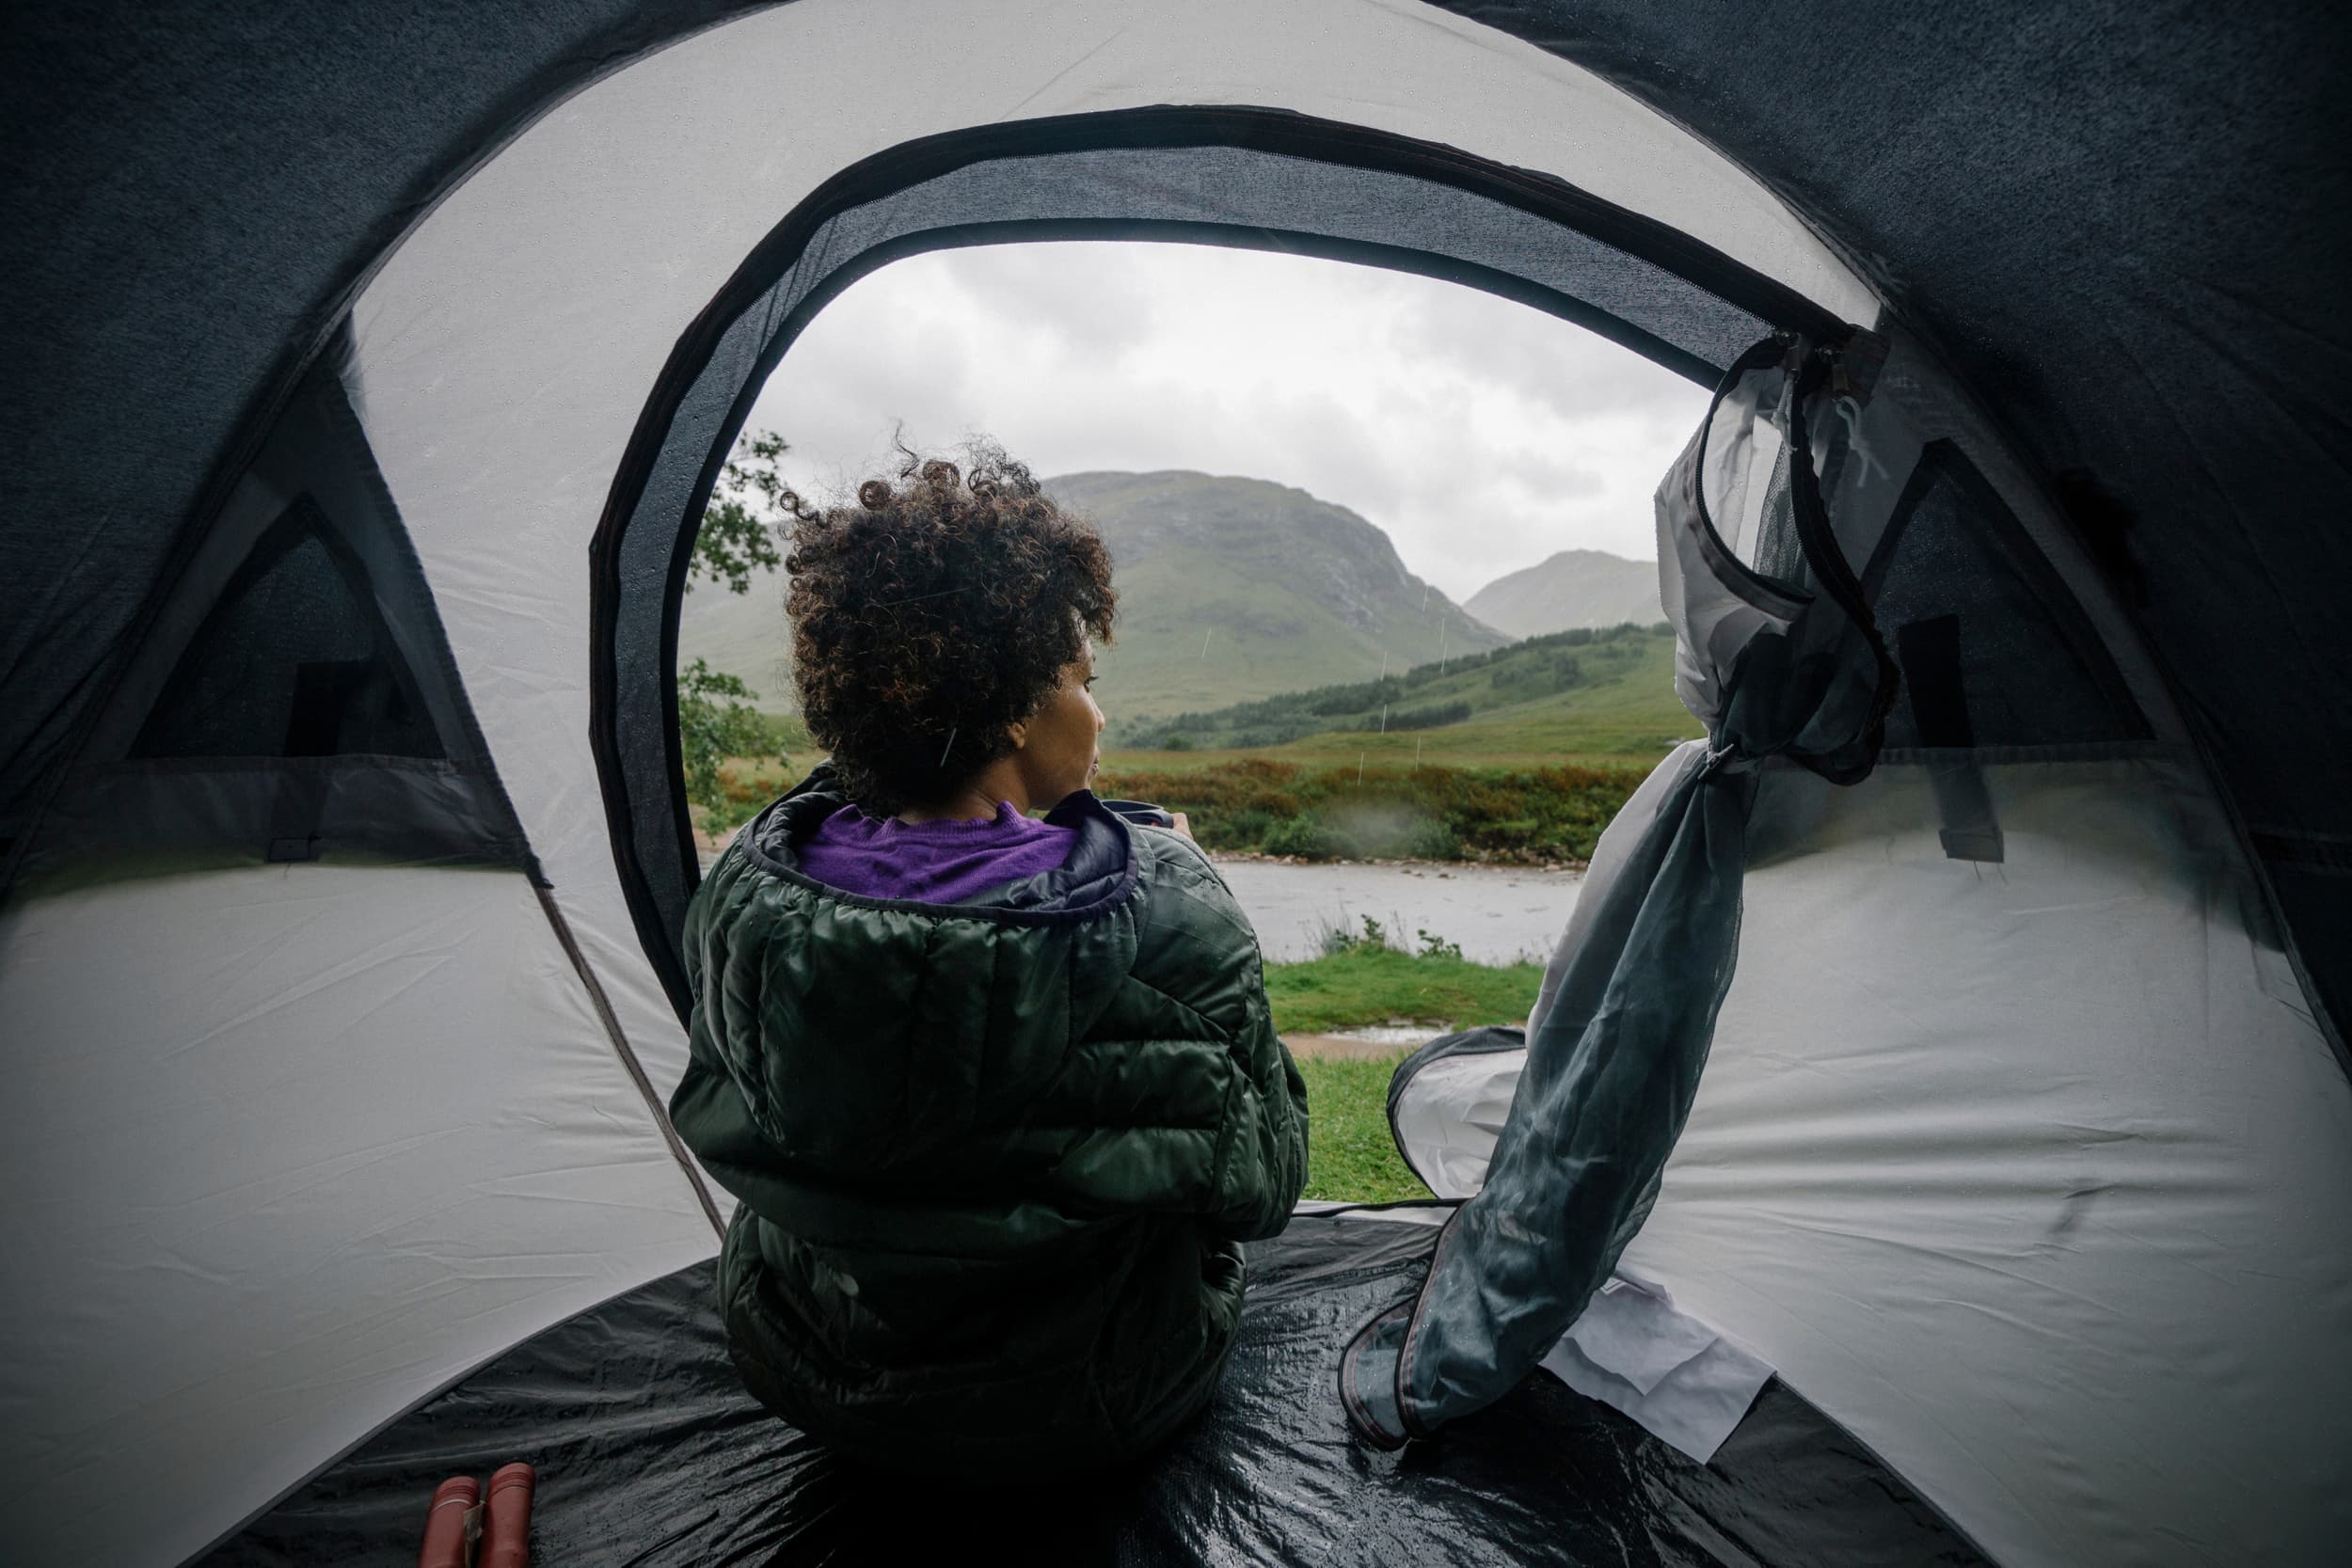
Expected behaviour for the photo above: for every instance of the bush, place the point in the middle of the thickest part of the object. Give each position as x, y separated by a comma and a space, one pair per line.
714, 724
1304, 838
1430, 718
1427, 813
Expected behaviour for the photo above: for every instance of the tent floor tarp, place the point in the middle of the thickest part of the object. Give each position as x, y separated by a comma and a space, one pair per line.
649, 1452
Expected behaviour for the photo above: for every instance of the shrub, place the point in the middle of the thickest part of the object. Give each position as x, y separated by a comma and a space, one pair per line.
1305, 836
1429, 718
715, 722
1429, 813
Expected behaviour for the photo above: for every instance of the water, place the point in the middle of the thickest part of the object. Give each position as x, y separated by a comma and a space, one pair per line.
1497, 913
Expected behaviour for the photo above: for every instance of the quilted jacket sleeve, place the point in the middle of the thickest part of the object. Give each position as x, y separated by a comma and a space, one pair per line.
1263, 1163
1261, 1160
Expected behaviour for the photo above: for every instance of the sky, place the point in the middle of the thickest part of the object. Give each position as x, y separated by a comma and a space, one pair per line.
1481, 435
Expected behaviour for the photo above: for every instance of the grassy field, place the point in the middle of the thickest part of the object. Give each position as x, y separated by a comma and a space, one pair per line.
1363, 985
1351, 1154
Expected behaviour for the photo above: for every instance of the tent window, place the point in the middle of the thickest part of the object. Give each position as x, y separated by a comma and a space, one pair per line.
2016, 664
296, 660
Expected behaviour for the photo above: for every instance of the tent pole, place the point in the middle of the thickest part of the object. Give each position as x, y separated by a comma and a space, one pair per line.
627, 1054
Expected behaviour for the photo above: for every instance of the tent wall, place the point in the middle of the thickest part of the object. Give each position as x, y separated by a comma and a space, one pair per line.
288, 1149
291, 696
2124, 224
2029, 1173
2065, 1138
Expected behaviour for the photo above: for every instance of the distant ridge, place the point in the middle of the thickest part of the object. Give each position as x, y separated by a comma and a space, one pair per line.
1575, 588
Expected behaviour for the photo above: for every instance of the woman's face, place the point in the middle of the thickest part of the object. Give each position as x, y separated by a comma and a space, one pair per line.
1057, 755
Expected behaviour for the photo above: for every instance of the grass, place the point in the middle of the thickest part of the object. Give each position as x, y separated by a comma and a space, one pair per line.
1365, 984
1351, 1156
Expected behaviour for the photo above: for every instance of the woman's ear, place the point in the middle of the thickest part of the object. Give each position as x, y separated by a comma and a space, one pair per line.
1019, 734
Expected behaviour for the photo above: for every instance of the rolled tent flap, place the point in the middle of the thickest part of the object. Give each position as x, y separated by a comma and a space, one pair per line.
1779, 656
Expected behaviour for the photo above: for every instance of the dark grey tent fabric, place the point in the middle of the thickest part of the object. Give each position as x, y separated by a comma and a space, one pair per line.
2125, 226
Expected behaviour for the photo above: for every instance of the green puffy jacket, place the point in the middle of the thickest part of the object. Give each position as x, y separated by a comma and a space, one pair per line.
995, 1158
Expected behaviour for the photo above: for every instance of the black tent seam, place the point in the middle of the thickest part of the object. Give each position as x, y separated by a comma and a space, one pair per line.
1276, 131
627, 1054
2304, 851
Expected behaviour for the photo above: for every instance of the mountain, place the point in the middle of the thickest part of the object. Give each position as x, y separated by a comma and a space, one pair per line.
1575, 588
1237, 588
1229, 588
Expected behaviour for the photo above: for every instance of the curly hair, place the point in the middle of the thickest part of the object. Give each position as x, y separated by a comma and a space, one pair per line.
934, 614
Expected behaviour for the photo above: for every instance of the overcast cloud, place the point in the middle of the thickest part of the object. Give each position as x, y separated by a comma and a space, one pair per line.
1481, 435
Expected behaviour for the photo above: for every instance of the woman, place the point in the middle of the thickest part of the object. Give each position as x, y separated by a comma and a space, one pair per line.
1001, 1097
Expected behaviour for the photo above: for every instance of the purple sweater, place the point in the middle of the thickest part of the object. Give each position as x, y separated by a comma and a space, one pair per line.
930, 862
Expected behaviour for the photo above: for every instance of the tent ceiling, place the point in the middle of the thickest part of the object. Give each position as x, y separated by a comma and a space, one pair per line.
2125, 226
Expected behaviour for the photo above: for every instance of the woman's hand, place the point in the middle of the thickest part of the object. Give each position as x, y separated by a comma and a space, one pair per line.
1183, 825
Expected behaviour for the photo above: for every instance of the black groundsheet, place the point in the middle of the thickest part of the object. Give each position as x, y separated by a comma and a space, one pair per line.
650, 1453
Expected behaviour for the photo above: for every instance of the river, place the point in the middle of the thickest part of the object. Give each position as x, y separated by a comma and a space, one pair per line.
1496, 914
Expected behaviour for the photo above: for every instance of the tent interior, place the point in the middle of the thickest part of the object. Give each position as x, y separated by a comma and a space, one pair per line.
372, 373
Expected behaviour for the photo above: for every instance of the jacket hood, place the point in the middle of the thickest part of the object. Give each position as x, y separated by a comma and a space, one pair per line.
869, 1033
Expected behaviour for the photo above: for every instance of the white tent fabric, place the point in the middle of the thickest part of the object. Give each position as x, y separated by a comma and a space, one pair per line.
288, 1150
2030, 1173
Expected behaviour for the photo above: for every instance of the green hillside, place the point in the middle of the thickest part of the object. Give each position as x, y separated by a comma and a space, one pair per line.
1229, 588
1582, 693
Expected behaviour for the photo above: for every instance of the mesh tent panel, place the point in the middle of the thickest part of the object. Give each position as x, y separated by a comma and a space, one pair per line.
294, 661
2030, 673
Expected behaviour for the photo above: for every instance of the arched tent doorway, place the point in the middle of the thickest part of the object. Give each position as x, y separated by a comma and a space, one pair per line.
501, 356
